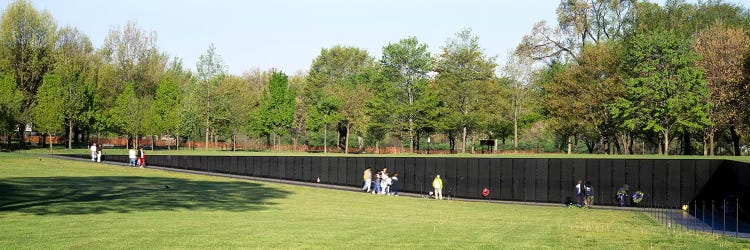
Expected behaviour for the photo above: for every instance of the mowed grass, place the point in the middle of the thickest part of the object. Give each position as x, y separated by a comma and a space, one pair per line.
48, 203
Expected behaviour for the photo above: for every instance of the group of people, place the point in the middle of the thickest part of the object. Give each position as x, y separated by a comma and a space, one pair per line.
96, 152
140, 161
382, 183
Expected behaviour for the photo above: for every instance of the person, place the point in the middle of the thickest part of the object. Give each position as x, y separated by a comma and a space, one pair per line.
384, 179
579, 193
588, 193
367, 178
437, 184
142, 157
99, 153
394, 185
93, 151
131, 155
621, 194
377, 183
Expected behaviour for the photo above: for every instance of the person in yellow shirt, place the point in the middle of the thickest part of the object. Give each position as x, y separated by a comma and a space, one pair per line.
437, 183
367, 178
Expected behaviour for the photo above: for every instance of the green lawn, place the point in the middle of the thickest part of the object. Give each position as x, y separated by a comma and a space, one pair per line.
52, 203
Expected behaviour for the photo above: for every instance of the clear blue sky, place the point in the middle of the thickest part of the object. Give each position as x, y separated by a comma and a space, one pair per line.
287, 35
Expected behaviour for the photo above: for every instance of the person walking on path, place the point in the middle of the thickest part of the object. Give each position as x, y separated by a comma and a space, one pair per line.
437, 184
131, 156
99, 153
142, 157
93, 151
367, 178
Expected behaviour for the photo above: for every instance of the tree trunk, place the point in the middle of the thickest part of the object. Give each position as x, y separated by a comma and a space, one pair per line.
570, 144
325, 139
177, 142
711, 142
361, 142
666, 141
50, 141
377, 147
705, 145
463, 141
346, 139
735, 140
411, 136
70, 135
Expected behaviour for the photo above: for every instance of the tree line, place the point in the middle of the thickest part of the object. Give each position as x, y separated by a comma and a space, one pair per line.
618, 77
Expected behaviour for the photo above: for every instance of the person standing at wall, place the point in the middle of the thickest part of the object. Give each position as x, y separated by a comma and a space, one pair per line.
384, 179
131, 156
367, 178
437, 184
588, 192
622, 194
394, 185
93, 151
376, 190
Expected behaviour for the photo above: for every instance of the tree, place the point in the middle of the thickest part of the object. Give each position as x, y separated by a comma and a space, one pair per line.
277, 106
520, 70
463, 71
48, 113
210, 68
128, 112
334, 67
665, 89
167, 104
724, 52
406, 64
27, 37
10, 103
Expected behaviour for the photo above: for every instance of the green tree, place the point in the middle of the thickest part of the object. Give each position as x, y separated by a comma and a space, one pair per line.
167, 104
48, 113
334, 67
666, 91
128, 113
72, 55
463, 74
210, 69
28, 37
406, 64
10, 103
277, 107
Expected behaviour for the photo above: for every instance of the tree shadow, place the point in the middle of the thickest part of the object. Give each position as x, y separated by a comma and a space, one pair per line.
124, 194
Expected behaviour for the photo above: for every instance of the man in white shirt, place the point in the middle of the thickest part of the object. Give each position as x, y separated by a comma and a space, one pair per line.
131, 155
93, 152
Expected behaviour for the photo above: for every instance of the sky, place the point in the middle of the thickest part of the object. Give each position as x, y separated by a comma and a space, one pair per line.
288, 35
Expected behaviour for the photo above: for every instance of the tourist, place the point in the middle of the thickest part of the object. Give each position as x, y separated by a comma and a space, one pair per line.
394, 184
131, 155
93, 152
377, 183
367, 178
384, 180
99, 153
437, 184
588, 192
579, 193
142, 157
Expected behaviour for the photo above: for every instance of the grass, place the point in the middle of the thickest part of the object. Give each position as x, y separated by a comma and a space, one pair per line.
52, 203
271, 153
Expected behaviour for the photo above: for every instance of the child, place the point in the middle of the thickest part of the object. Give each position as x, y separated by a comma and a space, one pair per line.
394, 183
377, 183
384, 182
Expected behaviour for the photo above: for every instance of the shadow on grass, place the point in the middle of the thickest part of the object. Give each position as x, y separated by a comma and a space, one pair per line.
123, 194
